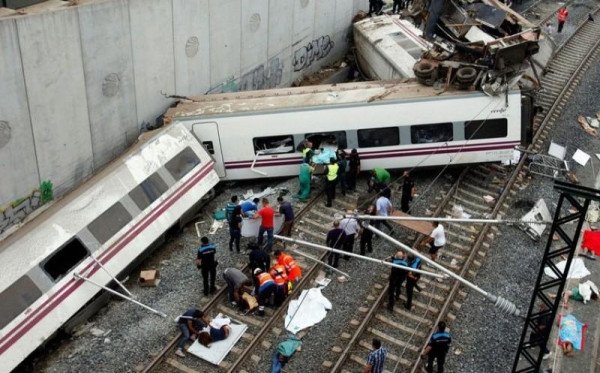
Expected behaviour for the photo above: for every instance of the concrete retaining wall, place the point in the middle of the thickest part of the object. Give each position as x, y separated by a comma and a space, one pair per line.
78, 82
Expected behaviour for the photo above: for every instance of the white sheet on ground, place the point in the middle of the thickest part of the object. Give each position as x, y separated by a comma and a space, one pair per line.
217, 351
309, 309
577, 270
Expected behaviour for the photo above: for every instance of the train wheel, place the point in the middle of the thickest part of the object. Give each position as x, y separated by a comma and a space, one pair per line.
466, 75
424, 70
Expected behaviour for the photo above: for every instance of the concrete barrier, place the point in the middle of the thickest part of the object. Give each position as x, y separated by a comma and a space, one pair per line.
79, 81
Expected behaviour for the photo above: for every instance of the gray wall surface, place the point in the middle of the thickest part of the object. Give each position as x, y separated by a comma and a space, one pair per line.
79, 81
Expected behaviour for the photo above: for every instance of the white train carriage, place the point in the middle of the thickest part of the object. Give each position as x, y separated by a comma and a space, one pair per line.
114, 217
392, 125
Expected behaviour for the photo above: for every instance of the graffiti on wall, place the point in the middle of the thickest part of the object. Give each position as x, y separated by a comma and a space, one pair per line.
264, 76
311, 52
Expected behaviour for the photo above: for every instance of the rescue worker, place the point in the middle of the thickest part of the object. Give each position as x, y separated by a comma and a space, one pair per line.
408, 192
379, 180
436, 240
280, 277
205, 261
191, 323
307, 152
304, 177
366, 236
353, 170
249, 208
411, 279
342, 164
332, 175
351, 231
335, 239
267, 214
229, 208
235, 280
264, 286
397, 277
286, 209
235, 228
437, 348
293, 270
258, 258
384, 207
563, 13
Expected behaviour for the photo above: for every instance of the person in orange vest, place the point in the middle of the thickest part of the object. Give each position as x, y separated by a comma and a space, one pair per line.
264, 286
292, 268
280, 277
563, 13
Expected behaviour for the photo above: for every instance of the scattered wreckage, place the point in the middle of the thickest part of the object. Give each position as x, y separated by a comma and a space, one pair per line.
482, 45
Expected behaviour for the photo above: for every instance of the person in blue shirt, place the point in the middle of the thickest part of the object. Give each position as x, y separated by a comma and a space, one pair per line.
411, 279
397, 277
376, 358
205, 261
191, 324
249, 208
437, 348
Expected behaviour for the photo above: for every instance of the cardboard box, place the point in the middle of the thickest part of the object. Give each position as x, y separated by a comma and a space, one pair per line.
150, 277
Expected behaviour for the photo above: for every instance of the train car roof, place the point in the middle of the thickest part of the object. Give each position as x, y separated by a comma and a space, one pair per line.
285, 99
33, 222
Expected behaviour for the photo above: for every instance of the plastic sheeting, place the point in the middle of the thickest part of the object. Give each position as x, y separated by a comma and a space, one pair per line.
309, 309
577, 270
217, 351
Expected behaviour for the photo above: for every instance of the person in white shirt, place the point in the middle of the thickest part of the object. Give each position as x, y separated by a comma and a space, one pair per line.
384, 207
437, 239
351, 230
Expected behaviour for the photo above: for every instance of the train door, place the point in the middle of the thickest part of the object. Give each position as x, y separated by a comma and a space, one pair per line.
208, 134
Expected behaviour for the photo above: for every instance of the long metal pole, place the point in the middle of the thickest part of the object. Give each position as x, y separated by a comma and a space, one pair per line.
78, 276
111, 276
447, 220
380, 261
500, 302
318, 261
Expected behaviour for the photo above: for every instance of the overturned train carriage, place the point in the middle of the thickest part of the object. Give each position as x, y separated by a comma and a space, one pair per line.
115, 217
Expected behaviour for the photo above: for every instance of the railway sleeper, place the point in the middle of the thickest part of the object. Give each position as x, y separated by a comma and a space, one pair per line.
361, 361
461, 237
389, 355
388, 338
405, 314
461, 226
479, 208
476, 189
466, 192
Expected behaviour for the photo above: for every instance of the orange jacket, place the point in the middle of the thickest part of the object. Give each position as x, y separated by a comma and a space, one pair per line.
563, 13
279, 274
263, 278
293, 269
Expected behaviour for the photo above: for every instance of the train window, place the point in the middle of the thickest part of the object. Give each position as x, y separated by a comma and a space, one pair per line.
486, 129
182, 163
63, 260
375, 137
16, 298
273, 144
148, 191
336, 138
109, 222
427, 133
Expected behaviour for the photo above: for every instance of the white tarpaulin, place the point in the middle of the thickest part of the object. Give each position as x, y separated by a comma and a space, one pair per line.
577, 270
217, 351
309, 309
250, 226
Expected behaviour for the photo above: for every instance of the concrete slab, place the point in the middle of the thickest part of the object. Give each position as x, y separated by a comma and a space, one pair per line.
51, 53
192, 47
325, 11
18, 165
304, 13
255, 31
108, 71
153, 62
280, 33
225, 41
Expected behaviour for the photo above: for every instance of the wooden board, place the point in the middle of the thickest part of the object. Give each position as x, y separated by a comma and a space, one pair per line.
423, 227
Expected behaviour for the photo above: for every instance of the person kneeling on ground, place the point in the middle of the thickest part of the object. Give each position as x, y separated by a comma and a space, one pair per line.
293, 270
264, 288
191, 324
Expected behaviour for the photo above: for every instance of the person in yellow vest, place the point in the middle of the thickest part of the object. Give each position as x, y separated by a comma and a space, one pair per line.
280, 277
332, 176
264, 286
307, 152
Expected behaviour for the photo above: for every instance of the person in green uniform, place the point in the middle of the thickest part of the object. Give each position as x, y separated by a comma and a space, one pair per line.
304, 180
379, 179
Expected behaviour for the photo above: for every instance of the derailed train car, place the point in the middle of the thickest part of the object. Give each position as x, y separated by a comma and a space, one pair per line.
115, 218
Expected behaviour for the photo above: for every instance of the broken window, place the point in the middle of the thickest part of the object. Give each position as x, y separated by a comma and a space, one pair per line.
486, 129
273, 144
105, 226
321, 139
16, 298
429, 133
208, 145
182, 163
65, 259
148, 191
375, 137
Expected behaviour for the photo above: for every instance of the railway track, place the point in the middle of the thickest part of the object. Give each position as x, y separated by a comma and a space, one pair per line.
406, 333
